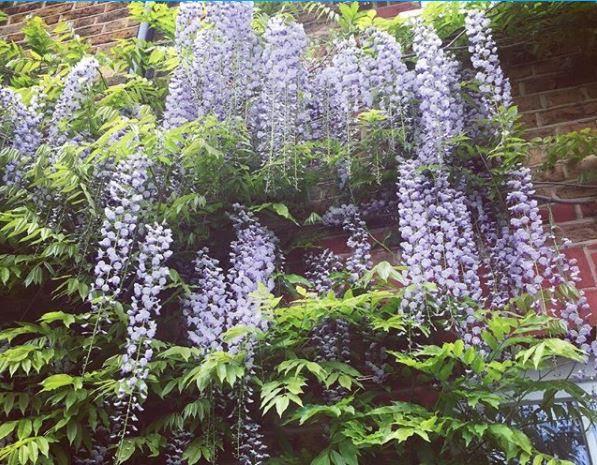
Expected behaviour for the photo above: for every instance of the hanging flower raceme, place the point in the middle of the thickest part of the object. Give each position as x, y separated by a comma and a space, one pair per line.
151, 278
24, 135
253, 260
280, 111
206, 308
494, 86
438, 243
219, 63
77, 86
320, 268
522, 256
388, 84
188, 22
127, 192
440, 108
181, 104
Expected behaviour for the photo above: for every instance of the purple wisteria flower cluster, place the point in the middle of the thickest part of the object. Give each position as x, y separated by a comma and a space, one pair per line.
436, 225
494, 86
151, 278
219, 60
253, 257
388, 83
280, 111
77, 86
207, 307
127, 192
24, 123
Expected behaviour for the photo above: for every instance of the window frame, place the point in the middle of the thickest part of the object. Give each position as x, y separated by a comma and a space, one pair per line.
588, 383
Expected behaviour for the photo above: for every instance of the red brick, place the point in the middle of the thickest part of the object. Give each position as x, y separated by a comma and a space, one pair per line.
391, 11
116, 25
591, 90
580, 232
586, 275
562, 213
114, 6
589, 210
564, 96
568, 113
529, 120
87, 21
576, 125
87, 10
114, 15
528, 103
16, 37
54, 9
92, 30
553, 65
519, 72
19, 8
542, 84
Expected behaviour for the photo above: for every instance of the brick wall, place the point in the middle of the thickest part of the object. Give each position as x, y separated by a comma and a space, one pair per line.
102, 23
555, 94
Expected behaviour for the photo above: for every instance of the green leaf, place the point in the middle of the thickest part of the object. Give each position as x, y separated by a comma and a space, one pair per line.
56, 381
66, 318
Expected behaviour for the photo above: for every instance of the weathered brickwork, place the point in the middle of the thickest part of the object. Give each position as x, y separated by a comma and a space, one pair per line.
554, 94
102, 23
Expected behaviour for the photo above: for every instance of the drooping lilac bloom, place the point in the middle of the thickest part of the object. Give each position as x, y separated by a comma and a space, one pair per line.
206, 308
349, 218
320, 268
181, 102
252, 449
77, 86
188, 22
522, 257
440, 109
388, 84
151, 278
218, 74
435, 222
25, 135
127, 191
176, 447
280, 110
253, 259
494, 86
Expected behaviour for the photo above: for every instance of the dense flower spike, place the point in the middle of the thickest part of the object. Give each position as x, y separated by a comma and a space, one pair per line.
77, 85
280, 111
523, 258
25, 135
188, 22
252, 449
494, 86
320, 268
127, 191
440, 109
438, 243
388, 84
151, 278
176, 447
253, 258
206, 308
219, 63
180, 101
